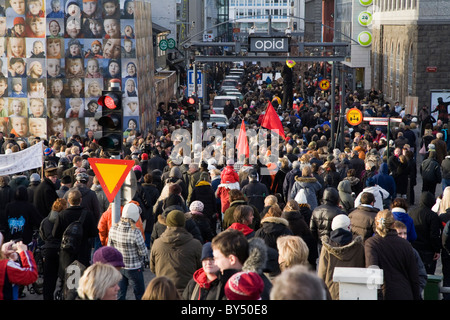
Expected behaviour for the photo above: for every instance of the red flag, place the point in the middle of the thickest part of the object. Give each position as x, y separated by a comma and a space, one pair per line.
272, 121
242, 143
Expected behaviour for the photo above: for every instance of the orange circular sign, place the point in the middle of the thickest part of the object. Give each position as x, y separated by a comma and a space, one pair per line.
324, 84
354, 116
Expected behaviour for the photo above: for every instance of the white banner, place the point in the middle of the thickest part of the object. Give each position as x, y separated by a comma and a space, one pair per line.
30, 158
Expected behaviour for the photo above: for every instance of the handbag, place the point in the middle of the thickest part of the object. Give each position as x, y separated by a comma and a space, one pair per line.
423, 150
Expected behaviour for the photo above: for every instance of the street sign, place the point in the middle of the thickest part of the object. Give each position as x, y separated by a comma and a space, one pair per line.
324, 84
111, 174
379, 119
354, 116
378, 123
269, 44
163, 45
171, 43
191, 80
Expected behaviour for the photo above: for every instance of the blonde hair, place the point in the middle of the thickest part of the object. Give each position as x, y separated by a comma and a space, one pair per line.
445, 203
292, 250
384, 222
270, 200
96, 279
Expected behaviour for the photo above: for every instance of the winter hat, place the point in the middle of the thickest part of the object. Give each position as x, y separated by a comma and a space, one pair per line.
207, 251
48, 151
35, 177
341, 221
244, 286
131, 211
197, 206
82, 177
108, 255
144, 156
175, 218
19, 20
66, 179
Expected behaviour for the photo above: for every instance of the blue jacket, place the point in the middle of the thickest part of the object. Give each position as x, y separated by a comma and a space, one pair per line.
401, 215
384, 180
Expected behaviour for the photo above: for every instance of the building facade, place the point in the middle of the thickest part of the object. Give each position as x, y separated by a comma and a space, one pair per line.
409, 59
56, 58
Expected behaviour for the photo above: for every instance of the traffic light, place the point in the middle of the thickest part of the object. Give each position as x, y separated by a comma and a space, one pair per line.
111, 121
193, 100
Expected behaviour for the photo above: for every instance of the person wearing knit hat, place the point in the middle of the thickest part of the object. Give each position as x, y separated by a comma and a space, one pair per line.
179, 259
176, 219
204, 284
196, 206
130, 242
244, 286
341, 221
108, 255
131, 211
18, 30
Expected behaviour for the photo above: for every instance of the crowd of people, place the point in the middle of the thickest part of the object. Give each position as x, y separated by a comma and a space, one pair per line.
220, 228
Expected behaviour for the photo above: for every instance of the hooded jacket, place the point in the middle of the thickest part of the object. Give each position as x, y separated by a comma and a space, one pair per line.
176, 255
311, 187
334, 254
385, 181
400, 214
427, 225
199, 288
345, 196
271, 229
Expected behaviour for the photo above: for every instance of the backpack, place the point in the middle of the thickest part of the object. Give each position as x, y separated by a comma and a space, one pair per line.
73, 235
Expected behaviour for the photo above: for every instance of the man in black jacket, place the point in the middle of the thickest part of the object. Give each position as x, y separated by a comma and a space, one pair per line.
255, 191
45, 194
428, 228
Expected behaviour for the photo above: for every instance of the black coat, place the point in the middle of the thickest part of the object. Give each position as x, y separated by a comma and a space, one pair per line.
271, 229
44, 197
299, 227
427, 225
149, 194
20, 218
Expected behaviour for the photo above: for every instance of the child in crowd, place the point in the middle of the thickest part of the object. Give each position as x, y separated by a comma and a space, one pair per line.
16, 48
35, 9
17, 68
38, 50
18, 29
95, 51
74, 49
93, 69
111, 9
76, 108
56, 12
17, 88
74, 68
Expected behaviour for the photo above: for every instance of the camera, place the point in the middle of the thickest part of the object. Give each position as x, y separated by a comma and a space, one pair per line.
14, 245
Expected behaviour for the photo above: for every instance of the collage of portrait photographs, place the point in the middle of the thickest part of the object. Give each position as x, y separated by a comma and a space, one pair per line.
56, 57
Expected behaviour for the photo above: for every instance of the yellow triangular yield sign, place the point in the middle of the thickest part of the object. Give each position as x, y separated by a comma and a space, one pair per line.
111, 174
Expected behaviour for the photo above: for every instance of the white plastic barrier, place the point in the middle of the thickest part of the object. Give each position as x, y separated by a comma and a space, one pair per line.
358, 283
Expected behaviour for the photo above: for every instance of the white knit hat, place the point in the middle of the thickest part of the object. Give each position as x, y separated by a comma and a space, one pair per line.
131, 211
341, 221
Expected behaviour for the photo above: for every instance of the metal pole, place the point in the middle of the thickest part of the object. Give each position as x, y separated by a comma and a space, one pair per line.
342, 113
117, 202
332, 103
387, 137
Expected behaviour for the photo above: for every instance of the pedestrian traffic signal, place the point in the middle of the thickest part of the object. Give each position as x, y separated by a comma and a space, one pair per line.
111, 121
